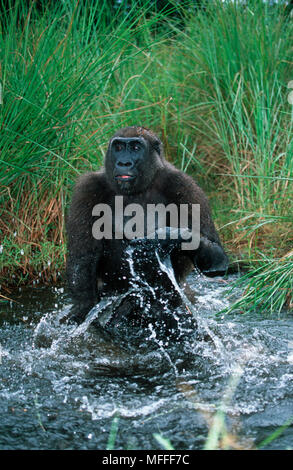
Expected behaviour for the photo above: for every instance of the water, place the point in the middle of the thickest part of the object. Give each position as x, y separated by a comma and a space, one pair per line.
62, 385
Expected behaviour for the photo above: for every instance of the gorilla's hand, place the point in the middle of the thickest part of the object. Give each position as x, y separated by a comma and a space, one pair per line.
210, 258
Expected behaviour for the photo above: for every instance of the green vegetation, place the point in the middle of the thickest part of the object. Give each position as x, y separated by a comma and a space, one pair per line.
212, 83
113, 433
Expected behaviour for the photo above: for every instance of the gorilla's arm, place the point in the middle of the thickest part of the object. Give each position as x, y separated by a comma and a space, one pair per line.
84, 251
210, 257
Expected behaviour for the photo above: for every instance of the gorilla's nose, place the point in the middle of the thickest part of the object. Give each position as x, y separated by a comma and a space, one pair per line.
123, 164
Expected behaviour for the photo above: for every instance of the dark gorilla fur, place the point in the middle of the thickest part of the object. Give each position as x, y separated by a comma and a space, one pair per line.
98, 267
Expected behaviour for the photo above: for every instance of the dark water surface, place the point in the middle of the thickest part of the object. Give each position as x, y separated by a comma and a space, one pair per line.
65, 387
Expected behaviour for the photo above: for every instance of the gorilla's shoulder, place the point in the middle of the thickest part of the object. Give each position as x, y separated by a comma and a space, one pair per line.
90, 181
91, 185
180, 184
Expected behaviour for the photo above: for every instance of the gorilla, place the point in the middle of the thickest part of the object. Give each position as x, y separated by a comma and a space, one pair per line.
97, 266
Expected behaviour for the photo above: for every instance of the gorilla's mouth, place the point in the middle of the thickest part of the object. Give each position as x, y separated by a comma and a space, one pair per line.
124, 177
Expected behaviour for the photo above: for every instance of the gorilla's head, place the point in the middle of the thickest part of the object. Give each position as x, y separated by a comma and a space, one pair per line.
132, 160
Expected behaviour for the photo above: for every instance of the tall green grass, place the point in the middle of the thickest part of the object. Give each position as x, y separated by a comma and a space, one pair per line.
242, 63
213, 86
268, 287
66, 76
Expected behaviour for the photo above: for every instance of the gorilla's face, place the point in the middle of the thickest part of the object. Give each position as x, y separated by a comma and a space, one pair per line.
131, 163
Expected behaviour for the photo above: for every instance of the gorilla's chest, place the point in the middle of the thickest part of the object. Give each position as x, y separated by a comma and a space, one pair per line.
137, 216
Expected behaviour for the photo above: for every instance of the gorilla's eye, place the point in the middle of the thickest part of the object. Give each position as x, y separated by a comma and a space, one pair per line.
135, 146
118, 147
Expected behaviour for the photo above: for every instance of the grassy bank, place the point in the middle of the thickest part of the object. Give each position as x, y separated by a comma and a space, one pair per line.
211, 83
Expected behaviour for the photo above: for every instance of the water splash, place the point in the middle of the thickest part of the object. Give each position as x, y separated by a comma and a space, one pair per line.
77, 380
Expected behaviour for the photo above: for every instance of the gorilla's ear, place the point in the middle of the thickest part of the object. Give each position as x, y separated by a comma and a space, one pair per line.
157, 146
